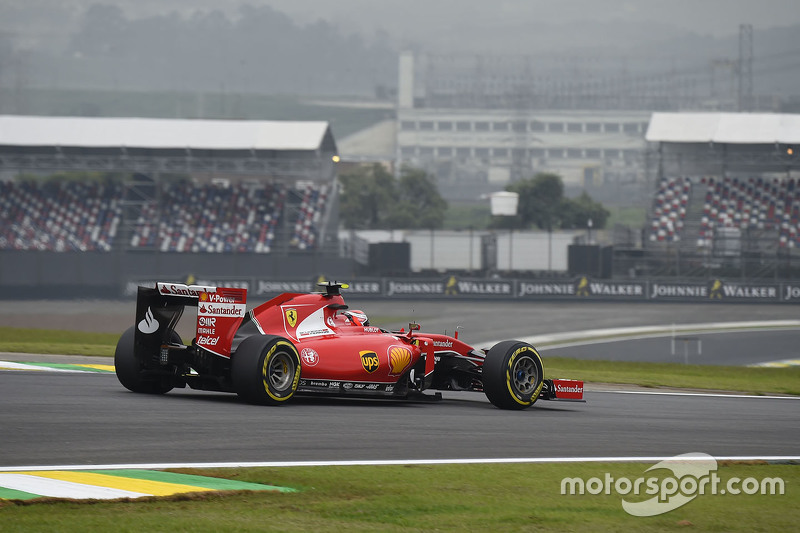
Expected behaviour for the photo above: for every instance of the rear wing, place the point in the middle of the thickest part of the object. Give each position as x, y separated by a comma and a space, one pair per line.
220, 310
570, 390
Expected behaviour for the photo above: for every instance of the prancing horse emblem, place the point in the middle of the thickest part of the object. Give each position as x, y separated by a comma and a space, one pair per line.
291, 317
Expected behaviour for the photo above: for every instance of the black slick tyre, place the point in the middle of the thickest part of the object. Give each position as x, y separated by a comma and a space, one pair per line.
129, 368
512, 375
265, 370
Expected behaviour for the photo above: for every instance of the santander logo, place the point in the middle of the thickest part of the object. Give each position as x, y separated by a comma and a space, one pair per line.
148, 324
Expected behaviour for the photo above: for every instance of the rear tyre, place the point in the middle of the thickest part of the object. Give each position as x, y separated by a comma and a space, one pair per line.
129, 368
512, 375
265, 370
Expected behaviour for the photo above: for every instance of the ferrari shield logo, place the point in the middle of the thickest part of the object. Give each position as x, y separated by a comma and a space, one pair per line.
291, 317
369, 360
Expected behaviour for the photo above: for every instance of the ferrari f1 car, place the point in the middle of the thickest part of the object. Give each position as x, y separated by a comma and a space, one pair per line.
313, 343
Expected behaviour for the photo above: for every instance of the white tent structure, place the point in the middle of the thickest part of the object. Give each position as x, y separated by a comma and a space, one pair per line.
724, 128
297, 150
719, 143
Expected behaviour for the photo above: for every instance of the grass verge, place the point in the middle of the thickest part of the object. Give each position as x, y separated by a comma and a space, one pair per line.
500, 497
57, 342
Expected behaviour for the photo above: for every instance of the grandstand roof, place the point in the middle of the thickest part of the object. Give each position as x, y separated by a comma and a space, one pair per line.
153, 133
722, 128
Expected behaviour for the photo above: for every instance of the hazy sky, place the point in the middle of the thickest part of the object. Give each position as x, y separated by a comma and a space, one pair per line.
452, 24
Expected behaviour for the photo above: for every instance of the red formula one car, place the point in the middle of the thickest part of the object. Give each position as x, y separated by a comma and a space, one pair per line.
313, 343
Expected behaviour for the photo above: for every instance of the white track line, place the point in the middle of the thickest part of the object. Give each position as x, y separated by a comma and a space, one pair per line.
10, 365
398, 462
709, 394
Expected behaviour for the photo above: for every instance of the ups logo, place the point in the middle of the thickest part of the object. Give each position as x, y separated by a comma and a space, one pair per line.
369, 360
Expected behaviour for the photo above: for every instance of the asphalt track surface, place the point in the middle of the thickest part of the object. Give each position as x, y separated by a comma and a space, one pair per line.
59, 418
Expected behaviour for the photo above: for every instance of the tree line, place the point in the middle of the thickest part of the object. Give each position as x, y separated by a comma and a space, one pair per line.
371, 197
261, 50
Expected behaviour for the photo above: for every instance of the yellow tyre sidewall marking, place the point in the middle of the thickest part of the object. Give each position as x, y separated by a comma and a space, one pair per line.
509, 368
265, 376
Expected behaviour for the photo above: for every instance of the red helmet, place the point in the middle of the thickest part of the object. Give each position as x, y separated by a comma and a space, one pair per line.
357, 317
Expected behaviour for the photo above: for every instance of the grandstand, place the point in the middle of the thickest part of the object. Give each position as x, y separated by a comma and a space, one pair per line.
246, 186
726, 191
205, 218
59, 217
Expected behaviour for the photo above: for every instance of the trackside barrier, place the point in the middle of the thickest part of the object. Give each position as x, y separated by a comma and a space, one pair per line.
563, 289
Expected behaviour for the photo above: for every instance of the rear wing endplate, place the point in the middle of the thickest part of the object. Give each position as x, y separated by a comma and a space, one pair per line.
220, 310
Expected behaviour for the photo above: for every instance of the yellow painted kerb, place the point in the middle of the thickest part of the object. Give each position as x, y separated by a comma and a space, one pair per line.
144, 486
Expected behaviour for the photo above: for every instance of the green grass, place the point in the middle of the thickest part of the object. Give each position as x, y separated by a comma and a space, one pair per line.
501, 497
45, 341
633, 217
462, 216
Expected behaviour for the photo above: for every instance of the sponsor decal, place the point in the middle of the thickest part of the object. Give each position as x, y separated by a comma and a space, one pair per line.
485, 288
329, 320
399, 360
365, 287
316, 332
223, 310
389, 388
148, 324
587, 288
583, 287
187, 291
206, 325
219, 313
452, 286
309, 357
347, 386
415, 288
442, 344
715, 292
568, 389
721, 291
371, 329
205, 340
291, 317
369, 360
791, 292
678, 290
546, 289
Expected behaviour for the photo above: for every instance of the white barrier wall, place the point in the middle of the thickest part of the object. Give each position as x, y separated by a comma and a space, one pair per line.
527, 250
442, 250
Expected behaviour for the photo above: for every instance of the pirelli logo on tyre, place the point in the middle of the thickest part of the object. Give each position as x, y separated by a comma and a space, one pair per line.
369, 360
399, 360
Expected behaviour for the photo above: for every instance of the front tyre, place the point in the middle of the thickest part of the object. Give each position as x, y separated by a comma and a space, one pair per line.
512, 375
265, 370
130, 369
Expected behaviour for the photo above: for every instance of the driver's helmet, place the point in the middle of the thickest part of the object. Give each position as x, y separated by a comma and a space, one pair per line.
357, 317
